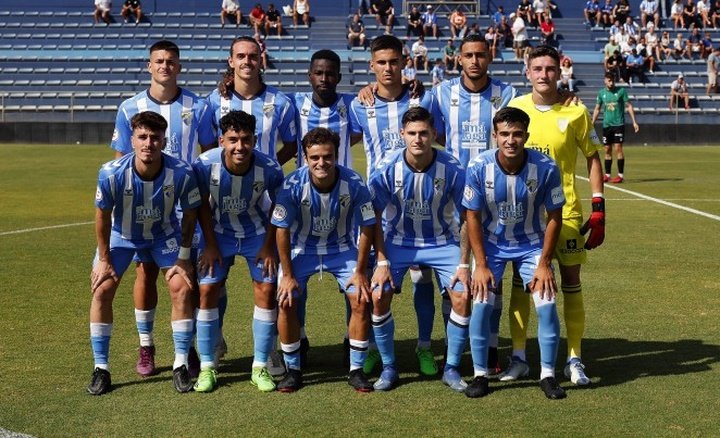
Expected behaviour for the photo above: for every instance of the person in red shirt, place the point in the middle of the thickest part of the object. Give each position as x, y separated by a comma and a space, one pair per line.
257, 18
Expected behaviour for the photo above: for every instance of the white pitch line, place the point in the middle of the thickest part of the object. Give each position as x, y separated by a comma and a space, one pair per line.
51, 227
659, 201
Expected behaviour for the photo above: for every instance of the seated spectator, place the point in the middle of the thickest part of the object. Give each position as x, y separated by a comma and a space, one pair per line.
651, 42
102, 11
430, 22
631, 27
703, 11
132, 7
450, 55
627, 46
301, 8
541, 10
694, 44
680, 47
356, 32
567, 78
676, 14
414, 23
409, 72
690, 16
420, 53
273, 20
547, 29
621, 11
713, 65
520, 36
635, 65
615, 65
622, 37
384, 14
649, 13
615, 28
606, 14
525, 11
492, 37
231, 7
665, 48
458, 24
715, 14
257, 18
648, 55
500, 14
438, 72
504, 31
610, 47
678, 91
707, 45
263, 51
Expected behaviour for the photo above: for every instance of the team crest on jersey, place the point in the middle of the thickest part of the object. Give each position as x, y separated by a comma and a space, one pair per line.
496, 101
304, 112
344, 200
224, 107
305, 203
268, 108
489, 184
370, 113
398, 183
168, 190
562, 124
279, 213
439, 184
128, 191
214, 180
342, 111
454, 102
194, 196
258, 186
469, 193
186, 117
532, 185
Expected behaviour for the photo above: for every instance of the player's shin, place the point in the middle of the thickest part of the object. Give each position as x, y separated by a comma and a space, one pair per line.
574, 314
519, 316
548, 334
423, 300
480, 333
264, 327
208, 325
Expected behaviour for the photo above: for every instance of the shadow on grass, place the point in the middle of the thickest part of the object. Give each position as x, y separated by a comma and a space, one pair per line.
646, 180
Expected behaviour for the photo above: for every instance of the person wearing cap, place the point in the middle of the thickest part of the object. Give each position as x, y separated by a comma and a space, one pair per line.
430, 21
679, 90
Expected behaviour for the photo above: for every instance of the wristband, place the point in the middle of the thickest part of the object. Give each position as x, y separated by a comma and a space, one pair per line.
384, 263
463, 266
184, 253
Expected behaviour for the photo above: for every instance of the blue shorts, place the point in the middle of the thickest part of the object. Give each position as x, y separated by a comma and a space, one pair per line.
341, 265
443, 259
525, 261
163, 252
193, 253
229, 247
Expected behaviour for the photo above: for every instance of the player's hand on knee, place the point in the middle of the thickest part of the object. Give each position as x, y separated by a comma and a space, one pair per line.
184, 269
206, 262
382, 280
543, 282
103, 270
595, 224
287, 290
462, 275
483, 281
269, 261
362, 287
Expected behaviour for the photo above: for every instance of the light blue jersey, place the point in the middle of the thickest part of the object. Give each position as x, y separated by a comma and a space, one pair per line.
236, 201
513, 206
336, 117
274, 114
145, 210
323, 223
381, 124
467, 116
420, 209
189, 123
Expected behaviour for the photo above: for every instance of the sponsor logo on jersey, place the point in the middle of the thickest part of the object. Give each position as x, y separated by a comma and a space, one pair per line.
194, 196
509, 213
233, 204
171, 246
367, 211
323, 225
147, 215
557, 195
417, 210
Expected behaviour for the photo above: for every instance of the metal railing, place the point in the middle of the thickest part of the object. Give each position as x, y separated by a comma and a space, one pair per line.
444, 7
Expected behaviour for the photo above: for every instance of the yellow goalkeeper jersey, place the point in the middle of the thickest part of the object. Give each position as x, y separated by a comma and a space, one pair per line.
561, 131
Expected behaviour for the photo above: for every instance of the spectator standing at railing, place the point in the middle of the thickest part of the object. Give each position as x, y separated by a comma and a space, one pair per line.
649, 12
414, 23
102, 11
430, 22
230, 7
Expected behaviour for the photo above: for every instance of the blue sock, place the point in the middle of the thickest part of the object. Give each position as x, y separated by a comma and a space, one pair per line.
208, 327
358, 353
548, 331
291, 354
264, 328
480, 335
423, 299
222, 305
384, 329
457, 334
145, 322
100, 341
182, 331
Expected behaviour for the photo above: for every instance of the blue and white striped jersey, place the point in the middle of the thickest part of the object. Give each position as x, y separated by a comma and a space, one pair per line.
236, 201
381, 124
467, 116
323, 223
145, 210
420, 209
188, 117
274, 114
513, 206
308, 116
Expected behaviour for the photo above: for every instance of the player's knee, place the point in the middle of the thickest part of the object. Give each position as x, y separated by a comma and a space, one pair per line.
105, 293
180, 292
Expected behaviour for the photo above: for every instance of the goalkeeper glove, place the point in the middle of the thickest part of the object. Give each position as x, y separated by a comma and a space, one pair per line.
596, 224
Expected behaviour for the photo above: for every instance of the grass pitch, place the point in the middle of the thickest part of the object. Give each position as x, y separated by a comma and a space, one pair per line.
651, 348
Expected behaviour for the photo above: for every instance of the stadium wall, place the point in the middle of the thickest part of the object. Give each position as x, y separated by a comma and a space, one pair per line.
100, 133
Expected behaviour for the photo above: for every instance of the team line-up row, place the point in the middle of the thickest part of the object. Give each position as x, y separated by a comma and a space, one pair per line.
418, 211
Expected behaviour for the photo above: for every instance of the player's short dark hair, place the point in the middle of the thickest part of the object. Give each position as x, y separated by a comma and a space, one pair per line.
238, 121
166, 45
511, 116
321, 136
149, 120
609, 75
385, 42
418, 114
540, 51
473, 38
245, 38
327, 55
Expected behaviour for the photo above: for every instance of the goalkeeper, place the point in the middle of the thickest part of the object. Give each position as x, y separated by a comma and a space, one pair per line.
560, 132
